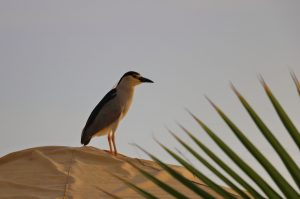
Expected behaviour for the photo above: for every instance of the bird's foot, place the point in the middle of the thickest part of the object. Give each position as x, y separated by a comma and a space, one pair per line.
110, 152
115, 153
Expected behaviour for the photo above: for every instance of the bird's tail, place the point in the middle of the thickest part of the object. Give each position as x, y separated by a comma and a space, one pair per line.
85, 139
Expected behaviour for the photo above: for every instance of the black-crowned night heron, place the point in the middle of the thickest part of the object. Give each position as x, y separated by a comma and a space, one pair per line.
107, 115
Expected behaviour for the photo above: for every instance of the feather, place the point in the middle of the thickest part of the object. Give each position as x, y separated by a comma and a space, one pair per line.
86, 135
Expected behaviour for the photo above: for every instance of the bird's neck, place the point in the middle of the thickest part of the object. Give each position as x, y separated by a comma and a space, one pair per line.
126, 89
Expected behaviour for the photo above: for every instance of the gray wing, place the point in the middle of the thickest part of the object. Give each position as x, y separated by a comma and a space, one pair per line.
105, 113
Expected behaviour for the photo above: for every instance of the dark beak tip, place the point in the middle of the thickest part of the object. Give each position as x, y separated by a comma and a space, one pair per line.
146, 80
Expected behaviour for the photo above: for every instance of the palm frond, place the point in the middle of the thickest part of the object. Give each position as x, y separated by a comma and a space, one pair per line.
222, 164
198, 174
210, 167
234, 180
296, 81
183, 180
142, 192
160, 183
265, 187
284, 186
282, 153
290, 127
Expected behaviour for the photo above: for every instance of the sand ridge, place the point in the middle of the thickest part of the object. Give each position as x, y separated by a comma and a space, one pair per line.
79, 172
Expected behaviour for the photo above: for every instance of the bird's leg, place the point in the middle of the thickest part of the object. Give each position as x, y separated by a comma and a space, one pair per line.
113, 138
109, 142
114, 143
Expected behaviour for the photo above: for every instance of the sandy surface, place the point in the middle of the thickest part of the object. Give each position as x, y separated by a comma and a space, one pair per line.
79, 172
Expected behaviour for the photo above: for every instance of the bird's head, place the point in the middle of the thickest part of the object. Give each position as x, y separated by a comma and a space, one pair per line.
132, 79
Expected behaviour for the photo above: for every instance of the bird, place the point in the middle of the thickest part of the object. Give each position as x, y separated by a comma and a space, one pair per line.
108, 113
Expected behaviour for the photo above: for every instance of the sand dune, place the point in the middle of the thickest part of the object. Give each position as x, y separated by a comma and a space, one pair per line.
78, 172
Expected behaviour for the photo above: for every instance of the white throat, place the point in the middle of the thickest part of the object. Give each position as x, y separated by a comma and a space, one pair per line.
125, 86
125, 94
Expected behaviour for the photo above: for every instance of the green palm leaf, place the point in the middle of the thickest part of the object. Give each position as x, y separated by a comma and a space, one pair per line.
284, 186
296, 81
142, 192
235, 179
160, 184
283, 154
186, 182
265, 187
291, 128
198, 174
222, 164
210, 167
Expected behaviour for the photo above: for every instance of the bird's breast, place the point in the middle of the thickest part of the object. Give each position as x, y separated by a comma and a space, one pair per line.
125, 101
126, 107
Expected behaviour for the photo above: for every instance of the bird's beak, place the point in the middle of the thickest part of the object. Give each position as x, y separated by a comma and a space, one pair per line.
143, 79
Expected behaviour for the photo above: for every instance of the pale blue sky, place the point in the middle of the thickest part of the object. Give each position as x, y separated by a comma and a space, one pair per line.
59, 58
